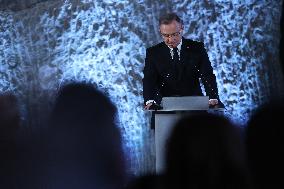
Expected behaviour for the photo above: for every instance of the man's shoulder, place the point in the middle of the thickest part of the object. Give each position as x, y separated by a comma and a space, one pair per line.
192, 43
193, 46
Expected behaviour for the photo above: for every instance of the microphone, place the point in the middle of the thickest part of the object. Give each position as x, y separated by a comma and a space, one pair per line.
155, 106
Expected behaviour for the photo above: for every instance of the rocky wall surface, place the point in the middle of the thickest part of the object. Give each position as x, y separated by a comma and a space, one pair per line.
17, 5
104, 42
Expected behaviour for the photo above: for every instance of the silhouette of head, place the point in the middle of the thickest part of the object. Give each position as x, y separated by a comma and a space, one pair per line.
205, 151
86, 143
146, 182
265, 145
9, 125
9, 116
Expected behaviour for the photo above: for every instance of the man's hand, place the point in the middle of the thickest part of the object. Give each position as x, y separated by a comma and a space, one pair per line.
147, 107
152, 106
213, 102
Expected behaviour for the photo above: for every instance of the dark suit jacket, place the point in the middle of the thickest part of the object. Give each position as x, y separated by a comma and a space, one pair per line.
160, 80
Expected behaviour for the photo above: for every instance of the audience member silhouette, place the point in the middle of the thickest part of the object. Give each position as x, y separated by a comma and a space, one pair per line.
9, 116
32, 159
85, 144
150, 181
205, 151
9, 125
281, 49
265, 140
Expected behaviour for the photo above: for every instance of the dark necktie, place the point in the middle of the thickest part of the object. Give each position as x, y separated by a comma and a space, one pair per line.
176, 57
176, 61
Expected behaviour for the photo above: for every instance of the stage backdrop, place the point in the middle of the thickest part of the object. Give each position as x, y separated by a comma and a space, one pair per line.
44, 44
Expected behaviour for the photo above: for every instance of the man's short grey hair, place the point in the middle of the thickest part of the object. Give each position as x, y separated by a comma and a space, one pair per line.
168, 18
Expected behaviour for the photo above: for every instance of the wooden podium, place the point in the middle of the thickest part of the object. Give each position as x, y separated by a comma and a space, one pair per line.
174, 108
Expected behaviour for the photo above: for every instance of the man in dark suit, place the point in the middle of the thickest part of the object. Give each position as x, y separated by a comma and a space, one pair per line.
174, 66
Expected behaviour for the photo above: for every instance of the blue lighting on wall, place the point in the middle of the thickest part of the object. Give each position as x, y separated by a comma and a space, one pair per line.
104, 42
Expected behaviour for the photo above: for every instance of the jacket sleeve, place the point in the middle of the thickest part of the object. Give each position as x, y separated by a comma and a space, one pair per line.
206, 74
150, 79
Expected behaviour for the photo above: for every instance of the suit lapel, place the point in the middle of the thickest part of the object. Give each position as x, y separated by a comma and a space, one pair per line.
184, 56
166, 59
185, 51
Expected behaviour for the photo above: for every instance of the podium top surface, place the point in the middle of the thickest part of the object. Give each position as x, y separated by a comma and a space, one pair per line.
185, 103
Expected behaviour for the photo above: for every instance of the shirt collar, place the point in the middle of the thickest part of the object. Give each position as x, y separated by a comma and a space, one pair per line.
179, 46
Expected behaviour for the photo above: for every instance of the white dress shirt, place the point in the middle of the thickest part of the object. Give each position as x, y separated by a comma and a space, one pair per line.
179, 49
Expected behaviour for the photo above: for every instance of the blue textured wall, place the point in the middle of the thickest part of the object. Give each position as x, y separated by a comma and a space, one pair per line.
53, 42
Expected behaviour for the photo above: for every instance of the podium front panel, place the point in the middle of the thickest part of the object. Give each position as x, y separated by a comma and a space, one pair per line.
164, 124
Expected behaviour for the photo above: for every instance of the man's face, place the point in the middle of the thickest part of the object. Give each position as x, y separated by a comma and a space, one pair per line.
171, 33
